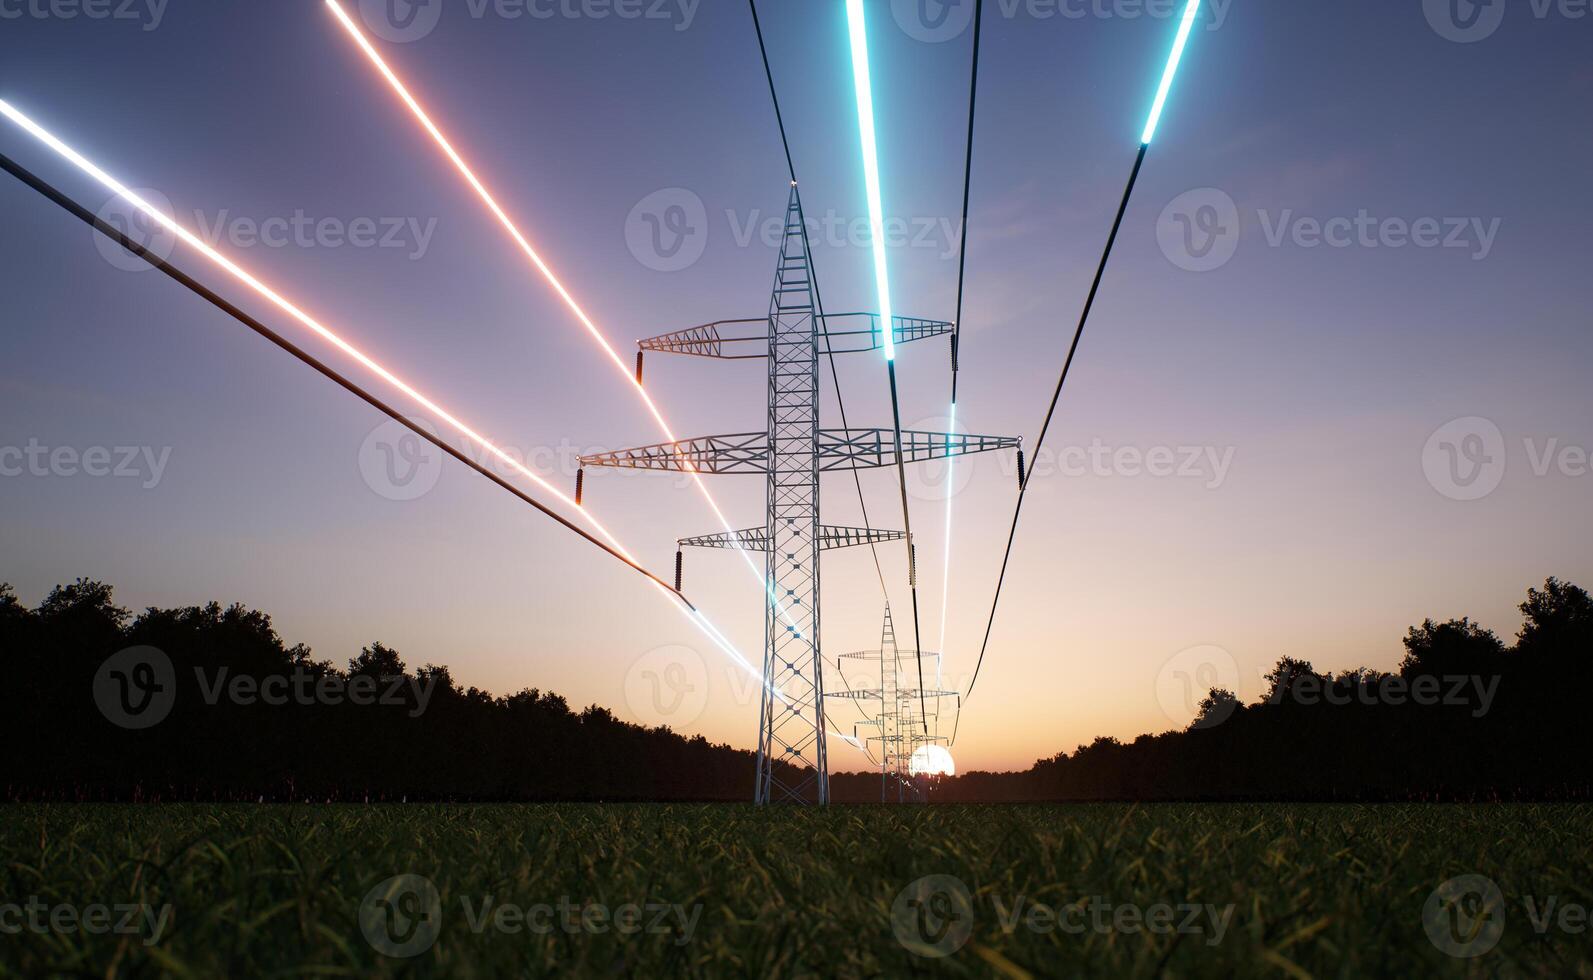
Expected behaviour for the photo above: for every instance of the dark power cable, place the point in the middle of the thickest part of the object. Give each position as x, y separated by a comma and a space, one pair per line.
216, 300
1089, 304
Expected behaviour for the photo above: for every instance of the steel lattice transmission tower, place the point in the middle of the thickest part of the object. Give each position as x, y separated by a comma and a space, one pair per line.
791, 453
903, 729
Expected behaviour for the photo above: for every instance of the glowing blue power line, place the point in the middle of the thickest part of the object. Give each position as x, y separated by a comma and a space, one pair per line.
1172, 70
876, 210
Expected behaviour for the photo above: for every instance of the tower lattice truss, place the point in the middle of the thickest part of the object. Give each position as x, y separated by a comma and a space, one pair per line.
791, 452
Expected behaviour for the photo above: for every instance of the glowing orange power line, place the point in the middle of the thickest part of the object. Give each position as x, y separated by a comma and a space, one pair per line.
524, 245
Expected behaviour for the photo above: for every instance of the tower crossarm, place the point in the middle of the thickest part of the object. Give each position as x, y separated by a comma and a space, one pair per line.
731, 340
857, 694
757, 539
865, 449
746, 452
843, 333
855, 333
838, 449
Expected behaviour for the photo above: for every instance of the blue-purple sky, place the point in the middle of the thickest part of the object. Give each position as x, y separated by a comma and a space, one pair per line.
1360, 223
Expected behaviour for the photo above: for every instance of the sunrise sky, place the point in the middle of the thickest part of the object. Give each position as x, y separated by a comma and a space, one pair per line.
1336, 382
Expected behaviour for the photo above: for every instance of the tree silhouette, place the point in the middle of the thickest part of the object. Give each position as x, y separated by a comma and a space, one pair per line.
1456, 647
1465, 717
1557, 619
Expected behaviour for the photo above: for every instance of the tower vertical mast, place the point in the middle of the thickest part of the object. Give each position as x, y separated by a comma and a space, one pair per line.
792, 716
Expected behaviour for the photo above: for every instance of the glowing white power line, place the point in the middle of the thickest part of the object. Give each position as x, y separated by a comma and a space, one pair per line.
116, 187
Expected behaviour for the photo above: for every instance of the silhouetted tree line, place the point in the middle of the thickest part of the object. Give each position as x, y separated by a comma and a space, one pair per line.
465, 744
1465, 717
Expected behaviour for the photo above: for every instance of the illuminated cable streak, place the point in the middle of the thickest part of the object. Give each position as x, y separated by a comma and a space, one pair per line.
1171, 71
857, 29
542, 266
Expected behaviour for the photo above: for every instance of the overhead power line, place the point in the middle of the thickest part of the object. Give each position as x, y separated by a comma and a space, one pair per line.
1169, 73
956, 334
215, 299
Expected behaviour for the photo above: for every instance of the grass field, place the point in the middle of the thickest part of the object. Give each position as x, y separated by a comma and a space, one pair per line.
1247, 890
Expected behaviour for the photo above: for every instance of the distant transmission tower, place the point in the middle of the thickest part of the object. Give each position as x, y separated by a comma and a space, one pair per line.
903, 729
791, 453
